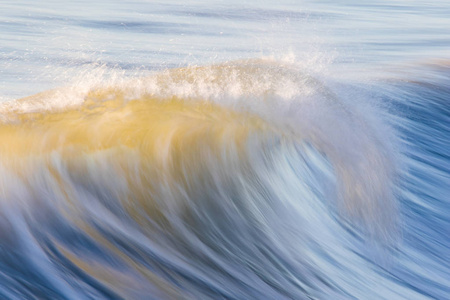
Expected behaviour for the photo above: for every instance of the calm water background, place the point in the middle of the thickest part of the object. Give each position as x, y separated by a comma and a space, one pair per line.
46, 44
394, 55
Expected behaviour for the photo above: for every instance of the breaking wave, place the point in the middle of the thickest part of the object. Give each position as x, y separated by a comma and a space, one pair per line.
249, 179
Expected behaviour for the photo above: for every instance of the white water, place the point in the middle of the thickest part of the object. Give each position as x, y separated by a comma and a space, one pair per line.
319, 171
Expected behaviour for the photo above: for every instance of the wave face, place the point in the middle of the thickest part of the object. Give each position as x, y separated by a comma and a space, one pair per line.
246, 180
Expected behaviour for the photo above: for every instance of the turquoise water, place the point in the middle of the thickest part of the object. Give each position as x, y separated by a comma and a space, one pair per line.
224, 150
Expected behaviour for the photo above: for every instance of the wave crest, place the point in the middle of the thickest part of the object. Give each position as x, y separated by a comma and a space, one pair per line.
228, 164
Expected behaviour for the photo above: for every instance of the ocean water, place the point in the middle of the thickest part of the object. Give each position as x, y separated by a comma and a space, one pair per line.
224, 149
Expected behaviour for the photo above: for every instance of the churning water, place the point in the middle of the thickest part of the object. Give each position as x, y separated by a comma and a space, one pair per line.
224, 150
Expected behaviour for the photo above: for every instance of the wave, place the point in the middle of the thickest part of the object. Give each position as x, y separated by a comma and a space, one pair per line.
249, 179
